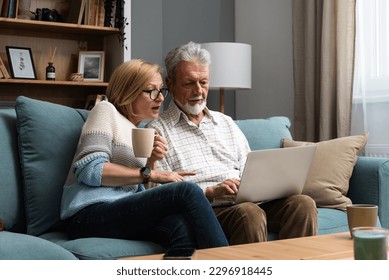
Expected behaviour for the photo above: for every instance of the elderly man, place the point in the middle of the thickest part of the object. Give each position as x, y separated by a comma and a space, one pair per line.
211, 144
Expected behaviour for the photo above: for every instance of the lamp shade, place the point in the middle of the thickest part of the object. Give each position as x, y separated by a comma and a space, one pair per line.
230, 65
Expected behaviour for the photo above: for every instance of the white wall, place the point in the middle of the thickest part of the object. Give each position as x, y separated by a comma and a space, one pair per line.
267, 26
147, 30
157, 26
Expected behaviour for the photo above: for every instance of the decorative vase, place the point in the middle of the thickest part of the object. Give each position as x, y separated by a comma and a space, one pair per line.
50, 72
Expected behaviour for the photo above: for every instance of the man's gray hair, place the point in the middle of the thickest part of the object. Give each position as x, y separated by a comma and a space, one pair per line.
191, 52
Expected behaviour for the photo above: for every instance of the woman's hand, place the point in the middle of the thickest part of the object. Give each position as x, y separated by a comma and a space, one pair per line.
160, 149
168, 177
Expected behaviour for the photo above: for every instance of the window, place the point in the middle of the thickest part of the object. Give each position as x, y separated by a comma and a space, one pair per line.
370, 110
372, 55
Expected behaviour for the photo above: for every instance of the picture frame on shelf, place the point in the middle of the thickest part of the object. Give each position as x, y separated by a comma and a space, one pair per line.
91, 65
21, 63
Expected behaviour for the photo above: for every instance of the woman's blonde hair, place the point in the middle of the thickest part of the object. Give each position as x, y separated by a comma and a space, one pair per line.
128, 81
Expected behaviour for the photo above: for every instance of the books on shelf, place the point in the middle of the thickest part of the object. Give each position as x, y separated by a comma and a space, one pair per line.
102, 13
76, 11
9, 8
4, 8
12, 8
89, 12
1, 7
82, 12
4, 70
108, 13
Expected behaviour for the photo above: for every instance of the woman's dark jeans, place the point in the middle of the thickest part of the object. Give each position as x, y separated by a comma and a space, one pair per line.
173, 215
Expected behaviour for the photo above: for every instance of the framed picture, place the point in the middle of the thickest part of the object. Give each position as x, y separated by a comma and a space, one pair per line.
21, 63
91, 65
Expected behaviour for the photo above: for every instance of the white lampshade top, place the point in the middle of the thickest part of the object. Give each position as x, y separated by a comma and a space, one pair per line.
230, 65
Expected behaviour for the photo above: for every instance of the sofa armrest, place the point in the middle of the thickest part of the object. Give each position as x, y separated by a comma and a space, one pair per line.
369, 183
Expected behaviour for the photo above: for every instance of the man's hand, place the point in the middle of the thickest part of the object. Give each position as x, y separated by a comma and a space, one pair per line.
227, 187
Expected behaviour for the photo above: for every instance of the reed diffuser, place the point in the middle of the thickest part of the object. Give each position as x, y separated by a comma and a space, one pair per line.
50, 69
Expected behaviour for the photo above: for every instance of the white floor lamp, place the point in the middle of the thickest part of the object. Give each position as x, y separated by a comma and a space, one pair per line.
230, 67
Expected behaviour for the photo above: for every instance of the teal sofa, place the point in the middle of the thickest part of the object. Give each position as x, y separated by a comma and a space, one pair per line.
38, 140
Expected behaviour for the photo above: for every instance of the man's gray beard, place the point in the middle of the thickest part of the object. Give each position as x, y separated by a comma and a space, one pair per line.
192, 110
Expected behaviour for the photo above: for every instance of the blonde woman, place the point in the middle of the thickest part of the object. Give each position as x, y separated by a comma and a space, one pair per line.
104, 194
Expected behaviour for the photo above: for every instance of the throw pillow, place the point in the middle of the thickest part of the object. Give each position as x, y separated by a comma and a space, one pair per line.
332, 167
11, 193
48, 135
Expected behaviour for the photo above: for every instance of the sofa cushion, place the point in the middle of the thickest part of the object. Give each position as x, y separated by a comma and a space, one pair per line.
332, 167
11, 198
48, 135
16, 246
92, 248
331, 221
265, 133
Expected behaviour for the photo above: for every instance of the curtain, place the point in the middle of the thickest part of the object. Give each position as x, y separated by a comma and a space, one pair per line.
323, 55
370, 110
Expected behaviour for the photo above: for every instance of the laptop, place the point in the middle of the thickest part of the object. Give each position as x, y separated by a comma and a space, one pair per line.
272, 174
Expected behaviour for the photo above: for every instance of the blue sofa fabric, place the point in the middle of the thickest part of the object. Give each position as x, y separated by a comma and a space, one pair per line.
103, 248
265, 133
11, 198
37, 143
17, 246
370, 184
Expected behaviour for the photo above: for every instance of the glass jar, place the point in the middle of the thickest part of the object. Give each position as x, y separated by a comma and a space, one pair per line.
50, 72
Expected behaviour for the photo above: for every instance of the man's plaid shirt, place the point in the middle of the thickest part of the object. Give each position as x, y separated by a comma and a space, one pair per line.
216, 149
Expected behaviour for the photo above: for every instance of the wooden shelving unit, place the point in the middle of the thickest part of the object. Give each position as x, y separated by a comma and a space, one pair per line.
59, 83
69, 39
13, 24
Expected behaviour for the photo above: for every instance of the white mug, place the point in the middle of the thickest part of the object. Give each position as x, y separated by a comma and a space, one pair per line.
143, 141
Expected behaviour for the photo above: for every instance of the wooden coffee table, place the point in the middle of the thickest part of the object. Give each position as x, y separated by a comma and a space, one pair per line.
329, 246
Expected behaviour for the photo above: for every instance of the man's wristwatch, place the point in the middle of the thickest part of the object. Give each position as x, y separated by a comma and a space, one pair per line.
146, 173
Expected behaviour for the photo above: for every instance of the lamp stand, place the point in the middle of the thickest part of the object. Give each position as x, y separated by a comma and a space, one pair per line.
221, 100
